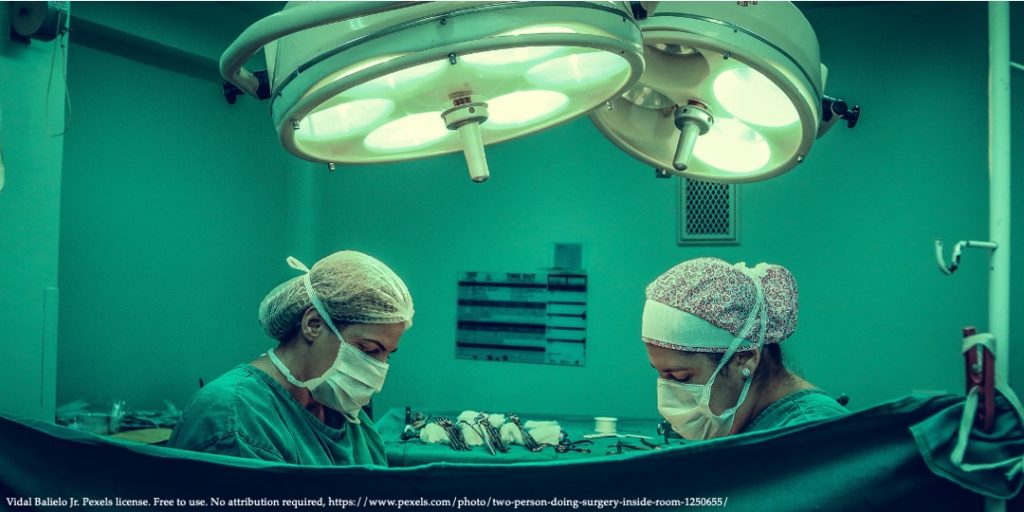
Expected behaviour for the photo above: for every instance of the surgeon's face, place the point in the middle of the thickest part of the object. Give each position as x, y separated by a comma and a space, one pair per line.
697, 368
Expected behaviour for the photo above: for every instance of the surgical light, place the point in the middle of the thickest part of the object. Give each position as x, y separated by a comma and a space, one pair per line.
522, 107
367, 82
747, 94
410, 132
347, 118
733, 147
731, 92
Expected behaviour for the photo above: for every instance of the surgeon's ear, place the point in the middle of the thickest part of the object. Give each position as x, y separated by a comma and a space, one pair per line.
746, 361
312, 323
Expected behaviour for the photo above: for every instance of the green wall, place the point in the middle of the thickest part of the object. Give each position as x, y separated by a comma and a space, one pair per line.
177, 212
174, 224
31, 138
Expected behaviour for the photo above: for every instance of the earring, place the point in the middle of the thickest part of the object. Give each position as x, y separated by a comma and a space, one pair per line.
745, 373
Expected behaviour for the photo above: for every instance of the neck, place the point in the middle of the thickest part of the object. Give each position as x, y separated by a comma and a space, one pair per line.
291, 355
770, 391
295, 356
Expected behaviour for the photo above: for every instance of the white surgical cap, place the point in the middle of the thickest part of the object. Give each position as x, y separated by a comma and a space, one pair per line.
354, 288
700, 305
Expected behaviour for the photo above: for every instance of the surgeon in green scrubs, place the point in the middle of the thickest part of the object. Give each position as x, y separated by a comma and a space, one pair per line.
713, 331
301, 402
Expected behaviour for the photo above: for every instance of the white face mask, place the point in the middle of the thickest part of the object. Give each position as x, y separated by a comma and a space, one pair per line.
687, 406
352, 379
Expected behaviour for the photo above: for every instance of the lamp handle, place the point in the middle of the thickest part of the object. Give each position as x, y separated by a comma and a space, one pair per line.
285, 23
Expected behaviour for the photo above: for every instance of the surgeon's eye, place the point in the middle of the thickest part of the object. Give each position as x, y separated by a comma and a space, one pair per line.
681, 377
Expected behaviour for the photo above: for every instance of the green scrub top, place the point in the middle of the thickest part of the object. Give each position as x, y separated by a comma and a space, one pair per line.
797, 407
246, 413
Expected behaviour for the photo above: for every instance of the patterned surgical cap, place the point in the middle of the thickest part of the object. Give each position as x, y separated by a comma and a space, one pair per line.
708, 300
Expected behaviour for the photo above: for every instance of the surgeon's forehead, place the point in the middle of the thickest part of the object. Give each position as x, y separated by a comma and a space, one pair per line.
665, 359
382, 334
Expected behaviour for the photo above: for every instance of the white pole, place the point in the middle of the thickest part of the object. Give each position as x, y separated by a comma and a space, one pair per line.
999, 192
999, 181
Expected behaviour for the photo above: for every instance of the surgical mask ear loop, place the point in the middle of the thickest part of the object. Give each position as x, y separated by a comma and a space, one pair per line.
308, 384
286, 372
313, 297
760, 308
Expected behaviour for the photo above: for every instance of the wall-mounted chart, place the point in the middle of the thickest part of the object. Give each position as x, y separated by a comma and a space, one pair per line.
538, 317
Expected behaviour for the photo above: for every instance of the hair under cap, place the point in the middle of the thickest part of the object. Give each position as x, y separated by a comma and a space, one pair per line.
701, 305
355, 288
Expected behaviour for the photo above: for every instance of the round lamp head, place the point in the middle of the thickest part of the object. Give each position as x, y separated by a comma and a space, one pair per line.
438, 77
731, 92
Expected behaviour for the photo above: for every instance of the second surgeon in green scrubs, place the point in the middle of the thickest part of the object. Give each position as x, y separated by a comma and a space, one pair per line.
301, 402
712, 331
